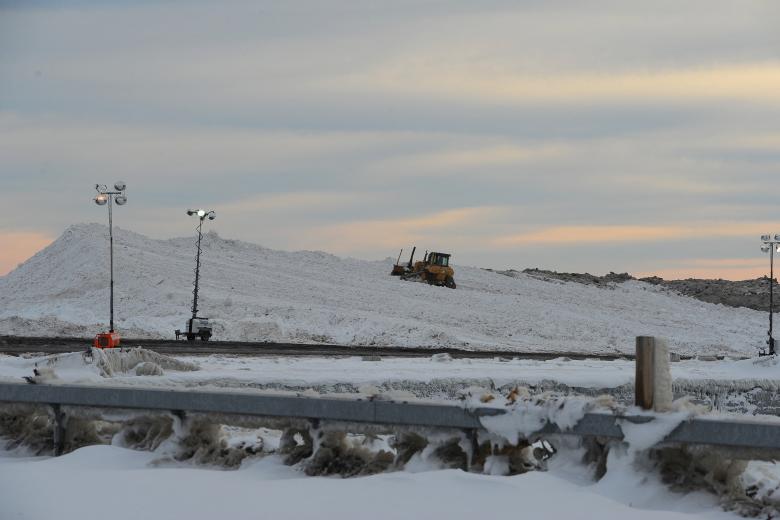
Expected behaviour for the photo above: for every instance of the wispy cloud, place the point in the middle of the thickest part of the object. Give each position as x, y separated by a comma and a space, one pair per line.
467, 158
562, 235
445, 230
753, 83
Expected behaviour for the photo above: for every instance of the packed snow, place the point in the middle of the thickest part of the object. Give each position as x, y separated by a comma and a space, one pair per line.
121, 368
107, 481
254, 293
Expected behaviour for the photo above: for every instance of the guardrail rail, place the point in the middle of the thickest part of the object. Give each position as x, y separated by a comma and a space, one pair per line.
759, 439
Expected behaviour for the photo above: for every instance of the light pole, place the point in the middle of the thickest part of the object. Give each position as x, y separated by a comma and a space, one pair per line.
105, 197
198, 326
770, 246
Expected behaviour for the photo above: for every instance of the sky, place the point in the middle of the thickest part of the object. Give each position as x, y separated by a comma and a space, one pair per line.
578, 136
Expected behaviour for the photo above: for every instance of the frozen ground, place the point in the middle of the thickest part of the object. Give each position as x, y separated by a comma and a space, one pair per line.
254, 293
101, 482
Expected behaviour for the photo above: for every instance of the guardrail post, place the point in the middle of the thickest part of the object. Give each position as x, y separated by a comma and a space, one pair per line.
473, 459
58, 430
653, 385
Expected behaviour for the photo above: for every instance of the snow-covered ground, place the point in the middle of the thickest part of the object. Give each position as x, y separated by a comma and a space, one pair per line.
254, 293
94, 481
243, 372
100, 482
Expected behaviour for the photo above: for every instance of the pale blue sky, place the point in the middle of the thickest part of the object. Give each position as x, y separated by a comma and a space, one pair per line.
592, 136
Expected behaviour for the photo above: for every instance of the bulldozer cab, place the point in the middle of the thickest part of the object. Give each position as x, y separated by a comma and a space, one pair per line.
440, 259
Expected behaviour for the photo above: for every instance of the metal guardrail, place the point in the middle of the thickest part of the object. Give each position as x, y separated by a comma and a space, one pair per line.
736, 434
250, 404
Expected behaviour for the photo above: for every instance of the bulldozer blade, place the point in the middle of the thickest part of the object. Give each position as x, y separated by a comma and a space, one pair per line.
398, 270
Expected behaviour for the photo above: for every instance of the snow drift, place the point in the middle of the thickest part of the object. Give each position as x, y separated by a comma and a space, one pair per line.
254, 293
633, 467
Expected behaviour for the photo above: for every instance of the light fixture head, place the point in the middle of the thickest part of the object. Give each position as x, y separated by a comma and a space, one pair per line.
190, 212
765, 248
120, 186
212, 215
777, 238
121, 200
101, 199
766, 238
201, 213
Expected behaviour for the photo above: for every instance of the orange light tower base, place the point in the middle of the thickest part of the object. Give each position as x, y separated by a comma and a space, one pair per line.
107, 340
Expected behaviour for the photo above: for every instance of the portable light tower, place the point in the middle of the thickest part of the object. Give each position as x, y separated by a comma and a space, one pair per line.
104, 197
198, 326
770, 246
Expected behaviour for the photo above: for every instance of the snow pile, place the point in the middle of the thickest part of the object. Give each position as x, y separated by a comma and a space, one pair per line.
746, 487
761, 482
254, 293
143, 361
527, 415
91, 366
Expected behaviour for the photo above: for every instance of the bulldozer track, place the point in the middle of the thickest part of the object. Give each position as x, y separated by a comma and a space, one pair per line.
17, 345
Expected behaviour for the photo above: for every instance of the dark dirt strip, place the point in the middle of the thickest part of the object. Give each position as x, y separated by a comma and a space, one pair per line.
17, 345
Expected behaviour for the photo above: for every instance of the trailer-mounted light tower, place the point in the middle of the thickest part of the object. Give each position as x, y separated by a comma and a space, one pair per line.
198, 326
105, 197
771, 246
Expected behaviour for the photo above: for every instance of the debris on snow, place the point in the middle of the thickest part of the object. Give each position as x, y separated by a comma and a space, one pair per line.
42, 375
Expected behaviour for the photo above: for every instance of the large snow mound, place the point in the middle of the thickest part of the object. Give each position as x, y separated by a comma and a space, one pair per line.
255, 293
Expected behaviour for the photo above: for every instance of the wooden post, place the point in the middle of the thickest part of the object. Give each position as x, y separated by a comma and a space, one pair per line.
645, 372
653, 374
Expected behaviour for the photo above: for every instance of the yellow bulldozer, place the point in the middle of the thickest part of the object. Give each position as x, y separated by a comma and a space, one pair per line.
433, 269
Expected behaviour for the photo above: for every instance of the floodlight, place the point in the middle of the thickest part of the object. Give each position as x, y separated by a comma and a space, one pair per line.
120, 186
212, 215
766, 238
121, 200
201, 213
778, 248
101, 199
190, 212
777, 238
765, 249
